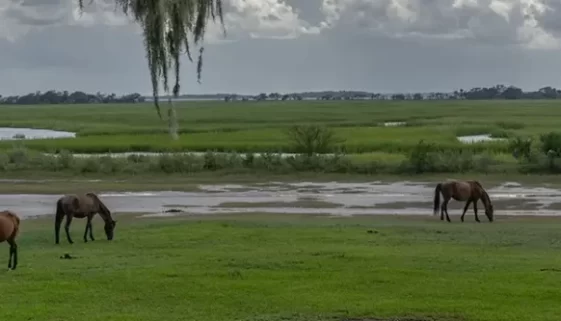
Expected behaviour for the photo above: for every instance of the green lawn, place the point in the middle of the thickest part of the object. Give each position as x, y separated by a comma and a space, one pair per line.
273, 267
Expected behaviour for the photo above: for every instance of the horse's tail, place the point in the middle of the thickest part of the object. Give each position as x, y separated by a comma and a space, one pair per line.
437, 191
14, 217
59, 209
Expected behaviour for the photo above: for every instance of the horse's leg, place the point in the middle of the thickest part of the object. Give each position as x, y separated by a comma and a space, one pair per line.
91, 229
10, 260
446, 209
86, 229
14, 254
475, 211
465, 209
442, 207
58, 222
67, 228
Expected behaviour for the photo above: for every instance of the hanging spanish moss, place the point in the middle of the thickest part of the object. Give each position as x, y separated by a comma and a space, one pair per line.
172, 121
166, 27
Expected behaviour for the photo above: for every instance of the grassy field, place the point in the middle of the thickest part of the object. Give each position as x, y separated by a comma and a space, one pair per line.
252, 126
370, 147
274, 267
301, 268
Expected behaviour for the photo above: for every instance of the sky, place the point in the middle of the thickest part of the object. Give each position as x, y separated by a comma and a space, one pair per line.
283, 46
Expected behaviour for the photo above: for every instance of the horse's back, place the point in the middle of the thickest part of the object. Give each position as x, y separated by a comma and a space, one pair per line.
77, 200
79, 204
459, 190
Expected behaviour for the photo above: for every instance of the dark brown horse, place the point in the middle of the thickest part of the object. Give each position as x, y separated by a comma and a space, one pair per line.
80, 206
470, 191
9, 229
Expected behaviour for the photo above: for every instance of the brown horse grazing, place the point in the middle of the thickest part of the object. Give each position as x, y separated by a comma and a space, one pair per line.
80, 206
9, 229
470, 191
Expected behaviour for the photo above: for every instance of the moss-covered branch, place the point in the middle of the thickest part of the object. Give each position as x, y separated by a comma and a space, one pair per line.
167, 26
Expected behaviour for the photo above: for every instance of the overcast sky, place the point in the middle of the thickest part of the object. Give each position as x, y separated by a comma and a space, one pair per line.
293, 45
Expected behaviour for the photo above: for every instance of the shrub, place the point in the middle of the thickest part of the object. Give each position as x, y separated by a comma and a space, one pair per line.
521, 148
312, 139
19, 136
510, 125
551, 142
422, 158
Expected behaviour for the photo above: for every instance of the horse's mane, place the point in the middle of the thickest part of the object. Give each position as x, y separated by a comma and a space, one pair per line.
478, 184
483, 192
104, 208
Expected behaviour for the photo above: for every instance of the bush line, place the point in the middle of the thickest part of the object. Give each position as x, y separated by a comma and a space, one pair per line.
422, 160
312, 141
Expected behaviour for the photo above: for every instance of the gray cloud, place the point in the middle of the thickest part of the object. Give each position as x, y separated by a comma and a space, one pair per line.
548, 16
487, 21
274, 45
492, 22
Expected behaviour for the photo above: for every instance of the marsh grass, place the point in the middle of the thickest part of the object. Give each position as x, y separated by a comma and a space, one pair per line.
349, 139
259, 127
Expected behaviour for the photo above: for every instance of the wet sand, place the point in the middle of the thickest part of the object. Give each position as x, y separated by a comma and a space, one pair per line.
345, 199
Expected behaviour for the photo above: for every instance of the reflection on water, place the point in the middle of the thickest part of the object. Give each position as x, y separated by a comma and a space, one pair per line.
477, 138
7, 133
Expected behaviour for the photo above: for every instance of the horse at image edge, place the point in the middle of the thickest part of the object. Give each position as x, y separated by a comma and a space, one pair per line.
9, 230
80, 206
470, 191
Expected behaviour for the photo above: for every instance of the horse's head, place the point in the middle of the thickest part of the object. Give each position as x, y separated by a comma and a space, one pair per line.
489, 212
110, 228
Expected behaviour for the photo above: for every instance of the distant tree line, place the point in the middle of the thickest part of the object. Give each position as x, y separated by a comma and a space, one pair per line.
263, 96
477, 93
65, 97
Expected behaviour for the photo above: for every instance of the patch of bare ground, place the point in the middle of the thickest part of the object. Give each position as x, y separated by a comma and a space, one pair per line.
300, 204
404, 319
351, 191
554, 206
179, 205
517, 203
397, 205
